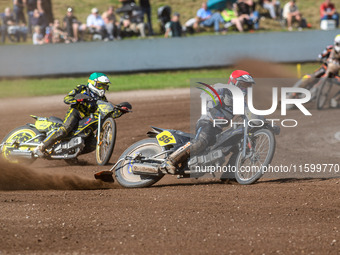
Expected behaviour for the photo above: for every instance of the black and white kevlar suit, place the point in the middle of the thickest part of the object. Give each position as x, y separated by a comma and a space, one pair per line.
205, 127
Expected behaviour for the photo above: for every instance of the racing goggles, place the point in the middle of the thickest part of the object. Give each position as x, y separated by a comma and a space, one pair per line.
243, 84
102, 86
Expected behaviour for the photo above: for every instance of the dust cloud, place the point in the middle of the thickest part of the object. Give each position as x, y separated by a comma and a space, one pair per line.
18, 177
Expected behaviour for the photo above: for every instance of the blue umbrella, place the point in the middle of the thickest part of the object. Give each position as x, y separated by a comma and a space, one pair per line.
218, 4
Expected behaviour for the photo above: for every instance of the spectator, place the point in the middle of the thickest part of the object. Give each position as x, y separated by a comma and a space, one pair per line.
327, 11
58, 34
18, 9
45, 7
245, 10
174, 27
271, 6
73, 27
146, 9
111, 24
133, 22
291, 13
11, 28
38, 19
95, 23
31, 5
8, 17
38, 37
206, 18
1, 17
128, 6
164, 16
137, 20
8, 23
231, 19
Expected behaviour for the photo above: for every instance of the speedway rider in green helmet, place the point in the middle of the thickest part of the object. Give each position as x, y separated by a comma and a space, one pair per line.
82, 101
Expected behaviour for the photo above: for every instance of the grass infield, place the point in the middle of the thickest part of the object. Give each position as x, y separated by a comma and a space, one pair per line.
155, 80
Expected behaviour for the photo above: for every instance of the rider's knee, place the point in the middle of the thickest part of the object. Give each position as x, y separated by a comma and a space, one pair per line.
62, 132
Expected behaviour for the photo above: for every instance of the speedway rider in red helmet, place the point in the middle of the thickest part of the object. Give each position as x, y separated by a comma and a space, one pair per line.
204, 127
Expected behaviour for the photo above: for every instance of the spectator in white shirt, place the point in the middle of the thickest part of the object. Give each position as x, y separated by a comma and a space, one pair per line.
95, 23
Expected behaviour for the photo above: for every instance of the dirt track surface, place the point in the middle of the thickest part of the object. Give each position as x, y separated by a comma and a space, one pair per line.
274, 216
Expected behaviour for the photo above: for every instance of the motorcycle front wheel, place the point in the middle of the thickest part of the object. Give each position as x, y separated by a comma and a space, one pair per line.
249, 169
293, 95
125, 176
19, 135
107, 142
306, 83
323, 94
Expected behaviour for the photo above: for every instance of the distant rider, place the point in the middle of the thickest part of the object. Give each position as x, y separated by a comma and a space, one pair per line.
334, 67
82, 101
205, 127
330, 56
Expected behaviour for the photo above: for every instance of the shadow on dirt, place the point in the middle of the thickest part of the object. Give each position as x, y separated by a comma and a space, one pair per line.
297, 180
234, 182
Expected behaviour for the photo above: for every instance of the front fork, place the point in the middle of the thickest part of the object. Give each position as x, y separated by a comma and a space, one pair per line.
247, 144
245, 140
98, 130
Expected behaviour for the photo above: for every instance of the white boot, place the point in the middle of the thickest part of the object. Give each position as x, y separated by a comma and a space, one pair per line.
334, 103
39, 150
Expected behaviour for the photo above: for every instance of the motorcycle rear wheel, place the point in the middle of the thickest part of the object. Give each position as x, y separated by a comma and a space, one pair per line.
264, 142
107, 142
20, 135
124, 175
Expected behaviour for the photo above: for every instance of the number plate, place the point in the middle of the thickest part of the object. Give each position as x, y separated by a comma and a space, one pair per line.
165, 138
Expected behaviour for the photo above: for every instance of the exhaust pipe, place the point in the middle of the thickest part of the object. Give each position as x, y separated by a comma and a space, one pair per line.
144, 169
21, 154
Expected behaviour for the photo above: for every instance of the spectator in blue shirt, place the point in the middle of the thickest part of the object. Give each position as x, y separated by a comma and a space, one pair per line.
206, 18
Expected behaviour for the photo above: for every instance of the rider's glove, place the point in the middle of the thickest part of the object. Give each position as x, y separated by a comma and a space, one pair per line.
125, 109
84, 100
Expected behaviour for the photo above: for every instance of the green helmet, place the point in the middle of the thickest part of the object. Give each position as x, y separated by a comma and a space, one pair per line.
98, 83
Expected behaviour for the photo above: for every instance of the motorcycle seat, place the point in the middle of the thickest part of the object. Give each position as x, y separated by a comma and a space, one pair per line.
55, 120
191, 136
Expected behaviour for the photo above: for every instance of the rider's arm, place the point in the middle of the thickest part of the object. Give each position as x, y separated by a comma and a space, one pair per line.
325, 54
333, 56
104, 99
70, 98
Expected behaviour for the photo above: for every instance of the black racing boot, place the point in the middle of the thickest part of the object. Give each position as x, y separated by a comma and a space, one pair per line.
175, 158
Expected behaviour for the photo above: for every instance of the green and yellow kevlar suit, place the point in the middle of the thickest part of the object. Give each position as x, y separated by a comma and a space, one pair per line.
76, 112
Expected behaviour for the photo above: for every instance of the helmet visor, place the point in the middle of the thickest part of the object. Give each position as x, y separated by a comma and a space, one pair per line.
102, 86
337, 46
243, 84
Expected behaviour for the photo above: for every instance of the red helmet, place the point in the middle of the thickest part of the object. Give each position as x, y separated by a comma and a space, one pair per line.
241, 79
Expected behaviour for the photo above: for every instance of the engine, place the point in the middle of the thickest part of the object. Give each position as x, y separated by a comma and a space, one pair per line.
70, 148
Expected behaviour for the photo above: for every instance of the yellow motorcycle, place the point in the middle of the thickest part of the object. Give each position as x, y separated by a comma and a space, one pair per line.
94, 133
